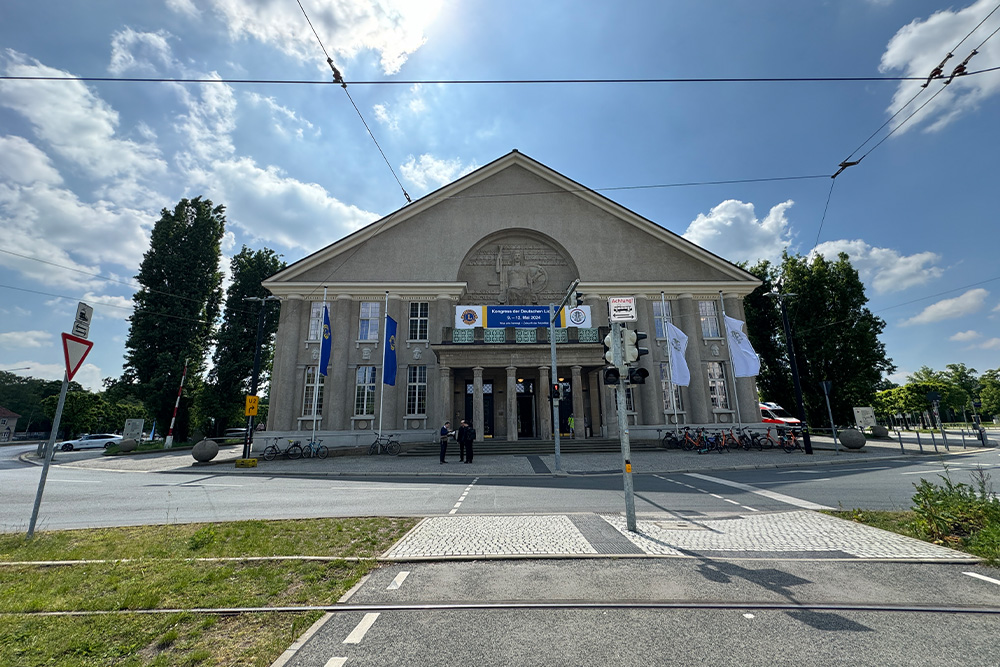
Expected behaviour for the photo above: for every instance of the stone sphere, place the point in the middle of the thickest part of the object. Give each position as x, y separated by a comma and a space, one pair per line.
127, 445
206, 450
852, 438
879, 431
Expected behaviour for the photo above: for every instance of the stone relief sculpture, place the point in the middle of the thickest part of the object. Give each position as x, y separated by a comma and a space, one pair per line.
519, 283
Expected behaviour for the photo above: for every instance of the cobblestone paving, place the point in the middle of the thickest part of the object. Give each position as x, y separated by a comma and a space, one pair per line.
801, 531
492, 536
799, 534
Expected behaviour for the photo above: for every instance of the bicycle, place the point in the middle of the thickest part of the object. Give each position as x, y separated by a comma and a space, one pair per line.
769, 440
751, 439
384, 444
670, 440
316, 448
790, 441
717, 443
293, 451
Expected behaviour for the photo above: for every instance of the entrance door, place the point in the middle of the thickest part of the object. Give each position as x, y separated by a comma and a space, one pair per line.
487, 408
525, 416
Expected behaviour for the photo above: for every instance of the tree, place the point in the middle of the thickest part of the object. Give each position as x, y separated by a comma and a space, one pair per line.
990, 393
231, 376
176, 307
766, 333
836, 338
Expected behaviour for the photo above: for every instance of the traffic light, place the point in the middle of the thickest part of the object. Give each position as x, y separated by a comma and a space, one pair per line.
611, 375
607, 349
579, 298
631, 350
637, 375
554, 392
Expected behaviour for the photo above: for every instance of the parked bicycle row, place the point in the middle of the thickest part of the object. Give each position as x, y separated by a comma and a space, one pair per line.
383, 444
704, 441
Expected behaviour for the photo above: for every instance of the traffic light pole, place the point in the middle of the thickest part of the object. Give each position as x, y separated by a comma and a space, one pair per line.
617, 360
555, 370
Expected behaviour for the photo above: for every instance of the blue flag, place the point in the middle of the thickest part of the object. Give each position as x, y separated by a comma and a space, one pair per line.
389, 358
324, 357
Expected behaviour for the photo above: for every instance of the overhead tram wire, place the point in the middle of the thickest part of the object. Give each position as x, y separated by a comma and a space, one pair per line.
337, 78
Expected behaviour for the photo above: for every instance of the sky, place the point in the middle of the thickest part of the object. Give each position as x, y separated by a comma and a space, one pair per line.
740, 167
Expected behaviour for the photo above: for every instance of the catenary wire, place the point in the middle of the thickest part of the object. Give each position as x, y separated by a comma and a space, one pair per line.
109, 305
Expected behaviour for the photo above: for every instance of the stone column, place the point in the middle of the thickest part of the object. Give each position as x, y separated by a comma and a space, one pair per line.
544, 405
286, 386
477, 401
697, 402
646, 396
338, 390
746, 388
447, 393
391, 414
596, 382
576, 387
511, 403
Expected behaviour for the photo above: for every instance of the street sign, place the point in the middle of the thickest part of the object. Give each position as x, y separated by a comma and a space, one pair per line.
133, 429
864, 417
622, 309
251, 409
75, 350
81, 326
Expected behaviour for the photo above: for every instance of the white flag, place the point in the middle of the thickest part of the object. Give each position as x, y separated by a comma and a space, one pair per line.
678, 343
746, 363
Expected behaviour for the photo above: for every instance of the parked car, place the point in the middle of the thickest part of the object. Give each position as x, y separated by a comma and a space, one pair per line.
235, 432
90, 441
772, 413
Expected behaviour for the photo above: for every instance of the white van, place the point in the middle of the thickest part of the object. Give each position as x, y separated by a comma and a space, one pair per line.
772, 413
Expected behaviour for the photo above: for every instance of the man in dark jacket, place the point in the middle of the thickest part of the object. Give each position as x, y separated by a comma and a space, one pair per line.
445, 432
466, 436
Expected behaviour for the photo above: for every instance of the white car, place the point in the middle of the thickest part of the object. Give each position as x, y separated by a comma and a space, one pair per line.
92, 440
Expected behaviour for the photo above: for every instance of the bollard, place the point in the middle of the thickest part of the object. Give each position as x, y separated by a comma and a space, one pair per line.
900, 435
920, 444
934, 440
963, 438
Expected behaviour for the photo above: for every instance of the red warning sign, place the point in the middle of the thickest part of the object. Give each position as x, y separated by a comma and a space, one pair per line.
76, 350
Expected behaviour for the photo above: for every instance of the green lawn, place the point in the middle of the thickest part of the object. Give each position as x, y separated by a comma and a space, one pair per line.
155, 567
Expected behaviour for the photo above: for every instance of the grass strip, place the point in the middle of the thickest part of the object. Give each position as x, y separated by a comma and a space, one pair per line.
166, 567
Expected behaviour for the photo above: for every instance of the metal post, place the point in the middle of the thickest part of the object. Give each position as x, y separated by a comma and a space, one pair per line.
795, 375
554, 379
900, 435
49, 448
934, 440
732, 366
169, 441
920, 444
670, 379
255, 379
829, 410
616, 355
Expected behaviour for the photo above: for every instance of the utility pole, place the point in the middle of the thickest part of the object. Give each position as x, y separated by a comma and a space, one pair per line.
248, 436
795, 369
553, 313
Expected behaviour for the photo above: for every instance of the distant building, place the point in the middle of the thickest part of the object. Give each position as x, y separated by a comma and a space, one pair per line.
468, 273
8, 424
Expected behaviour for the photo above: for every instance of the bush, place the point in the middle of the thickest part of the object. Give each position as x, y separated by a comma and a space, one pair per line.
961, 515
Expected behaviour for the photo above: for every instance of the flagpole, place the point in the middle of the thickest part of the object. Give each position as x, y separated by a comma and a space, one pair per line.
385, 348
316, 376
670, 379
732, 365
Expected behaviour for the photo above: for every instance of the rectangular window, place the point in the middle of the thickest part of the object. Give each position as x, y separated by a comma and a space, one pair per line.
629, 401
418, 321
416, 390
717, 385
312, 388
364, 392
668, 400
661, 315
369, 322
709, 319
316, 320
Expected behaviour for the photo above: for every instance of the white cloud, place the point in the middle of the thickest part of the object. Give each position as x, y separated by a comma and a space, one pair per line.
22, 162
884, 268
77, 124
385, 117
283, 117
732, 230
184, 7
139, 51
428, 172
991, 344
15, 339
393, 28
273, 207
947, 309
210, 118
89, 376
919, 47
965, 336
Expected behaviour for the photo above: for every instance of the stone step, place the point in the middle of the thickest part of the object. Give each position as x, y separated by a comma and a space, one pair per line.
534, 447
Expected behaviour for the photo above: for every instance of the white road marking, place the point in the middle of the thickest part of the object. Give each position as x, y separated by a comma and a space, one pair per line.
336, 662
773, 495
797, 472
747, 615
398, 581
77, 481
358, 633
731, 501
984, 578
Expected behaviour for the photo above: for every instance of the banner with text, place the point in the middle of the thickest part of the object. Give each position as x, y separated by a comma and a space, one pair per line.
522, 317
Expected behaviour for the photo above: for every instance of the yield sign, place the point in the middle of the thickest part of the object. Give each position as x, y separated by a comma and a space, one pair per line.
75, 350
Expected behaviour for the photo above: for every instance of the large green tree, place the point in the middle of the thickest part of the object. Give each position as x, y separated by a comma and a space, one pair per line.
990, 393
231, 377
176, 308
835, 336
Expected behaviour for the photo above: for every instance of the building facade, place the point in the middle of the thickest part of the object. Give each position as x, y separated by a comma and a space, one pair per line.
468, 274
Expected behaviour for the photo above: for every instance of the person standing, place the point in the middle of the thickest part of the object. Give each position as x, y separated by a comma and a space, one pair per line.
466, 436
445, 432
572, 426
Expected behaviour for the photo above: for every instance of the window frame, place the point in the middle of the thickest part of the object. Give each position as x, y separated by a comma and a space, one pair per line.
316, 321
416, 391
709, 319
308, 388
717, 386
369, 321
364, 390
421, 317
660, 320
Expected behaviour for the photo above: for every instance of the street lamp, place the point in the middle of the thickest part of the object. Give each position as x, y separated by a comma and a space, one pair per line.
795, 368
248, 439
